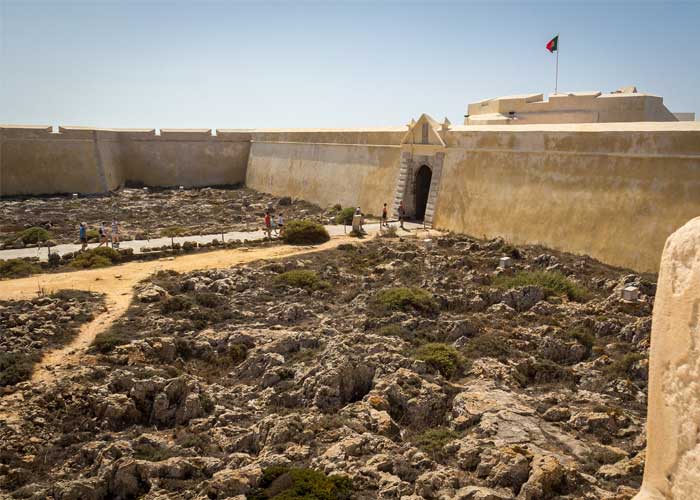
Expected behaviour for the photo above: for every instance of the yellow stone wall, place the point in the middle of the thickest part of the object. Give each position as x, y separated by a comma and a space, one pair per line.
605, 190
353, 168
33, 160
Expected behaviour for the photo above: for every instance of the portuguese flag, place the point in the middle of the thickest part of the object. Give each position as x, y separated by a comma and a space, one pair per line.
552, 44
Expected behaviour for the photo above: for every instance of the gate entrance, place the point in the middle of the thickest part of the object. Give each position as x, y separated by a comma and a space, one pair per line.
423, 178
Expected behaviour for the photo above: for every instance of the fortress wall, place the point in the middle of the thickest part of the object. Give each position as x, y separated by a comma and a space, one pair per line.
186, 158
33, 160
614, 195
351, 168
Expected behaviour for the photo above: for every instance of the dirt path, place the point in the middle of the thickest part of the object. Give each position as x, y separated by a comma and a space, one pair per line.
117, 284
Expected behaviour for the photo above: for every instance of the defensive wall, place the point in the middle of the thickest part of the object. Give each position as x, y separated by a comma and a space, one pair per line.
614, 191
35, 160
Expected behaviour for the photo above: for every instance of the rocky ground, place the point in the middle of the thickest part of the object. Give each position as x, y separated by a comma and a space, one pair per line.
391, 369
30, 327
145, 213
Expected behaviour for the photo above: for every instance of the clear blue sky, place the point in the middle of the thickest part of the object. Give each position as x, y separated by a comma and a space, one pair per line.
326, 64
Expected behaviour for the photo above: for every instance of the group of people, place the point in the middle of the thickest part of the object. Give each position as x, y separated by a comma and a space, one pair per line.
274, 223
385, 215
104, 238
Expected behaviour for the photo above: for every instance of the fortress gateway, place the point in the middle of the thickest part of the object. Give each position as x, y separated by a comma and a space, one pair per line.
609, 175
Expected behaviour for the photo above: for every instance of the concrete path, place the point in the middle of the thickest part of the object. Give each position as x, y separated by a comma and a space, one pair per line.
137, 245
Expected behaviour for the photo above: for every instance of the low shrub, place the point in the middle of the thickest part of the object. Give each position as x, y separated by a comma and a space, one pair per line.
301, 278
344, 216
209, 299
552, 282
173, 231
536, 372
432, 441
305, 232
16, 367
96, 258
33, 235
17, 268
106, 341
175, 304
620, 368
442, 357
393, 330
286, 483
405, 299
488, 346
92, 235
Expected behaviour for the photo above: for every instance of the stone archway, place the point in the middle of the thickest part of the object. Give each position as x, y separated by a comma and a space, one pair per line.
422, 190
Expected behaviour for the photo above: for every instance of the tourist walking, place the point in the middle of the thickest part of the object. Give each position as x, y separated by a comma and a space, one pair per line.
273, 221
402, 214
385, 217
102, 232
268, 226
83, 236
115, 233
280, 222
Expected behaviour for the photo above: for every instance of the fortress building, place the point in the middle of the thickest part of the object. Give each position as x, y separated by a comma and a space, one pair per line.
623, 105
614, 190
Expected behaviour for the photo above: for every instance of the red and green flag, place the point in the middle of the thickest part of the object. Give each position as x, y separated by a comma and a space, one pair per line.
552, 45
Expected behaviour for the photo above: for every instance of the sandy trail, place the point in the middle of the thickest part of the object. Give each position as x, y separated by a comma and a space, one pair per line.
117, 284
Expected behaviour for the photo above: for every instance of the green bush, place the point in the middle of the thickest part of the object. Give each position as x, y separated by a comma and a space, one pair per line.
96, 258
432, 441
92, 235
16, 367
106, 341
620, 368
17, 268
305, 232
285, 483
535, 372
393, 330
209, 299
344, 216
442, 357
552, 282
405, 299
33, 235
301, 278
175, 304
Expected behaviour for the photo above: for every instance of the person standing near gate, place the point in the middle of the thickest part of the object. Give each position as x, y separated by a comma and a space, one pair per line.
402, 214
385, 217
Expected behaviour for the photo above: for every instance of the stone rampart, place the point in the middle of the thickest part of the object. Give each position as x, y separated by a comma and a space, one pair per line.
34, 160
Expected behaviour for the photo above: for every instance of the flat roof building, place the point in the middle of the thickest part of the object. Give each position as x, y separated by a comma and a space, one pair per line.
623, 105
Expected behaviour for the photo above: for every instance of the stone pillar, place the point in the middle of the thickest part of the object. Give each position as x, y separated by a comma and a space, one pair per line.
672, 468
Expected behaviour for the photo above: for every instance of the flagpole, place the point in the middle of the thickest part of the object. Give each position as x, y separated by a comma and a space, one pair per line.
556, 74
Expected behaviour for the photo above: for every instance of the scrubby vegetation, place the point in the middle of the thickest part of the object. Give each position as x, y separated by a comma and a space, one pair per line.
96, 258
17, 268
305, 232
552, 282
405, 299
344, 216
285, 483
33, 235
301, 278
433, 441
442, 357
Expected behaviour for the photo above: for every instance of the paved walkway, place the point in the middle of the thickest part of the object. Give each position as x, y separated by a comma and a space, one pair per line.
137, 245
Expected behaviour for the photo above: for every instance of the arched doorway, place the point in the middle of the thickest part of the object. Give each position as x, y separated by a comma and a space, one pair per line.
423, 177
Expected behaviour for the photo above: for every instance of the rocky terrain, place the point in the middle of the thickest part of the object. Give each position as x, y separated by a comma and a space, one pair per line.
145, 213
30, 327
389, 369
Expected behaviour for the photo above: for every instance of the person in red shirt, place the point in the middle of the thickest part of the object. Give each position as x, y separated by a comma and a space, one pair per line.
268, 226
